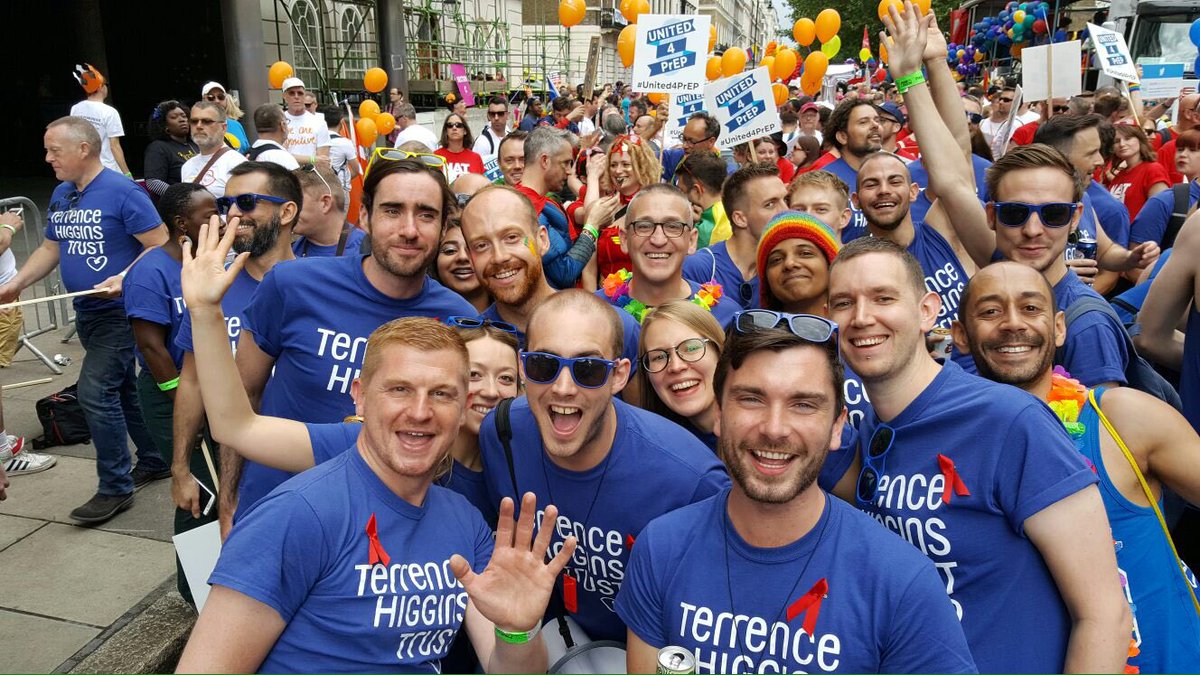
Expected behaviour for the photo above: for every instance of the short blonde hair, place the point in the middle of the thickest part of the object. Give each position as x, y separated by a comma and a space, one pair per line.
821, 178
421, 333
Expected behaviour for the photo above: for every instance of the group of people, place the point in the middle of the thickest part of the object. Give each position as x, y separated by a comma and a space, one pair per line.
868, 412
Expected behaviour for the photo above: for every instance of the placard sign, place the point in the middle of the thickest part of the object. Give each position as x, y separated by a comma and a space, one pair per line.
744, 106
682, 107
668, 51
1112, 53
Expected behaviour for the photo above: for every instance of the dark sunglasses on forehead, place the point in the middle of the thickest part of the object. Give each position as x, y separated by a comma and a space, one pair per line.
245, 202
1052, 214
219, 96
974, 118
480, 322
588, 372
874, 458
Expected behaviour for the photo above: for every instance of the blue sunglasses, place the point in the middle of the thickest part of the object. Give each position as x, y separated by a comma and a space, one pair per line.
246, 202
588, 372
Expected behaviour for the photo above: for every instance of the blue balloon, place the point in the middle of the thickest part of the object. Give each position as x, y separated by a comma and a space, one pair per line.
1196, 66
1194, 32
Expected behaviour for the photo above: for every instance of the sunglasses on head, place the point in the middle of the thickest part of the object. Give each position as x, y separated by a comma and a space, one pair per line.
873, 459
588, 372
974, 118
480, 322
429, 159
1052, 214
245, 202
807, 327
312, 168
215, 97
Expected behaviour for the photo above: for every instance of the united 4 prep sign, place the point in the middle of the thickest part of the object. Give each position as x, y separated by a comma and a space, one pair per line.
668, 54
744, 106
1112, 53
682, 107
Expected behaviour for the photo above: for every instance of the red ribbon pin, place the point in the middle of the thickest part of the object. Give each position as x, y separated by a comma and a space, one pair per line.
810, 602
377, 554
629, 542
570, 593
953, 480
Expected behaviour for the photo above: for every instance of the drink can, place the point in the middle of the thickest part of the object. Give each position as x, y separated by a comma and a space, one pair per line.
675, 661
943, 343
1086, 246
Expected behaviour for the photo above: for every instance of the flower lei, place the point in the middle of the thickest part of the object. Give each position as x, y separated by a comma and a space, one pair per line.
616, 289
1066, 399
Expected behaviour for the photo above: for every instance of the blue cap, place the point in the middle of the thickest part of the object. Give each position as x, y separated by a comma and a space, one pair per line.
893, 110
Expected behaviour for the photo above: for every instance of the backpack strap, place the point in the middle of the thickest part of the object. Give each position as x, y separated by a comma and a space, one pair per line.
1179, 214
505, 432
1083, 305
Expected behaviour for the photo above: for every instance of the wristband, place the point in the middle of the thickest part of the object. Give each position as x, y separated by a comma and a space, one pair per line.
10, 228
591, 229
129, 175
168, 385
517, 638
909, 81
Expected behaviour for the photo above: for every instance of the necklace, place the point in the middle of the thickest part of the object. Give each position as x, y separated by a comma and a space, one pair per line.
616, 289
569, 592
788, 598
1066, 399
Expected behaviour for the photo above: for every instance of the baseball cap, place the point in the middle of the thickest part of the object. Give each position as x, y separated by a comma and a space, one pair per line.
291, 82
210, 86
811, 105
892, 110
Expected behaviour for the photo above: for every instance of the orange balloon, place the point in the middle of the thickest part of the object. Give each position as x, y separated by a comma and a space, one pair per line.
815, 65
712, 37
280, 71
367, 132
883, 58
1016, 50
829, 22
625, 42
374, 80
923, 5
771, 47
713, 70
785, 63
768, 62
733, 61
384, 122
630, 9
781, 93
805, 31
884, 4
810, 87
368, 109
571, 12
657, 98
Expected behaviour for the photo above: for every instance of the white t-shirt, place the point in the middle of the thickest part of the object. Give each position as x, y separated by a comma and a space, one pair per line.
341, 153
276, 154
306, 133
8, 266
586, 126
107, 121
214, 179
416, 132
487, 144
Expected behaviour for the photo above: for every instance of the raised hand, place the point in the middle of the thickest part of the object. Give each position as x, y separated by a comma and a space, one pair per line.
205, 278
935, 44
909, 34
514, 589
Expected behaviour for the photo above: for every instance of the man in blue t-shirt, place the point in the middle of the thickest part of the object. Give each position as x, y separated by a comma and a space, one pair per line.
816, 585
98, 224
853, 129
981, 477
752, 196
322, 222
362, 564
308, 322
610, 468
1019, 350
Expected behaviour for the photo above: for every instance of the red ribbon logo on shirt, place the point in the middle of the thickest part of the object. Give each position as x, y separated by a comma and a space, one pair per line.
810, 602
953, 480
376, 554
629, 542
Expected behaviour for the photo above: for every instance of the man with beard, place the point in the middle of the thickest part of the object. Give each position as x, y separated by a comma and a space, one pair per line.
853, 129
610, 468
980, 477
1011, 326
870, 602
212, 166
307, 324
264, 231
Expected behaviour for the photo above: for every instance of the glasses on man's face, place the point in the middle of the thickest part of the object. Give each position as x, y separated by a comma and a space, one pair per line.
312, 168
1052, 214
1005, 100
688, 351
219, 96
245, 202
496, 113
873, 460
588, 372
429, 159
201, 122
692, 141
673, 229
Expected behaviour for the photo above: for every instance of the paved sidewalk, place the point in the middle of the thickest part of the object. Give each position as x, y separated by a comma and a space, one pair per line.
65, 589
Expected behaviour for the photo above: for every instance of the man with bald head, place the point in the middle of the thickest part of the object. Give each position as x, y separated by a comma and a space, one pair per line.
1189, 118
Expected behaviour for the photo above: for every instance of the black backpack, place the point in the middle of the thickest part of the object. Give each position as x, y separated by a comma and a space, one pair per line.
62, 420
1179, 214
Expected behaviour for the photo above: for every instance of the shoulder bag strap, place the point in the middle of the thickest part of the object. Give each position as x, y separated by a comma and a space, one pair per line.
341, 245
1146, 489
211, 160
504, 431
1182, 194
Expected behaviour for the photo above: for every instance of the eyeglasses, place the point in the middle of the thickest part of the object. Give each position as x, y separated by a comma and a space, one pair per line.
873, 462
214, 97
246, 202
673, 229
689, 141
815, 329
479, 322
1005, 100
455, 125
588, 372
1060, 109
201, 122
312, 168
688, 351
1052, 214
395, 155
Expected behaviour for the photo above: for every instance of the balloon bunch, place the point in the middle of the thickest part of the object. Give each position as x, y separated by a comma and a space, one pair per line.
372, 122
630, 9
805, 31
965, 59
1016, 24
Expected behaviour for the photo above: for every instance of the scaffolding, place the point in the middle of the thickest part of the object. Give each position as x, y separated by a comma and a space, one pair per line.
474, 33
330, 43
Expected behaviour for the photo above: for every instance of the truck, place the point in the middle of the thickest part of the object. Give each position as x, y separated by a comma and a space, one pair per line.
1157, 30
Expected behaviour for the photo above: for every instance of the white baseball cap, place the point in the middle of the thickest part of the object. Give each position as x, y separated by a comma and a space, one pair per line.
210, 86
292, 82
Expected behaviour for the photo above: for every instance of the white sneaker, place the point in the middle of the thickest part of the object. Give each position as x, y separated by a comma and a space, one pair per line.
17, 461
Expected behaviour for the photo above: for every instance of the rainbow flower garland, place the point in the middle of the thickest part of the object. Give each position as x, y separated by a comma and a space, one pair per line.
1066, 399
616, 289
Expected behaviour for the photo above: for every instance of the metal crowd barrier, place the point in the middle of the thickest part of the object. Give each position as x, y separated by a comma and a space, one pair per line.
42, 317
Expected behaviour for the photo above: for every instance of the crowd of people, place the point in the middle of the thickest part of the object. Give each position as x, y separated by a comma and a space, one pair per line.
857, 396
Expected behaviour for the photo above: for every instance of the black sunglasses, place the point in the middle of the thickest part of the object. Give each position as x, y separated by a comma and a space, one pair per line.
214, 97
455, 125
807, 327
974, 118
1052, 214
873, 460
588, 372
1060, 109
480, 322
245, 202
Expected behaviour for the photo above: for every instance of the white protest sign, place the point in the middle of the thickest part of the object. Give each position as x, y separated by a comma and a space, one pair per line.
682, 107
1051, 71
667, 56
1161, 80
198, 551
1112, 53
491, 168
744, 106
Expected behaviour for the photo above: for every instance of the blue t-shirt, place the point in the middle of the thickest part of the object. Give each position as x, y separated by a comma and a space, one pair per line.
857, 227
233, 306
944, 275
884, 610
920, 176
1166, 627
1151, 222
855, 396
153, 293
1095, 350
305, 552
714, 264
629, 326
655, 466
1112, 214
304, 249
95, 232
1014, 458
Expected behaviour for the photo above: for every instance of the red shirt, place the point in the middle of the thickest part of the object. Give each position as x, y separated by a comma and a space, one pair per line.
1166, 157
458, 163
823, 161
1024, 133
906, 145
1132, 186
787, 170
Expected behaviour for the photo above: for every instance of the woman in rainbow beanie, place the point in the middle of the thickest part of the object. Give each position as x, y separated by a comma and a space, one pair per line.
793, 259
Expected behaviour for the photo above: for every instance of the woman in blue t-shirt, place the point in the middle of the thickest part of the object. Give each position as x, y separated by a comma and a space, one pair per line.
678, 351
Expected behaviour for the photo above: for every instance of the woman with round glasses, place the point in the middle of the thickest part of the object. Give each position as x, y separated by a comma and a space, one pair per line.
456, 149
677, 354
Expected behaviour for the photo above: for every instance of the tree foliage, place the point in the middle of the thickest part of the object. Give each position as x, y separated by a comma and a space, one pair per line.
857, 14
